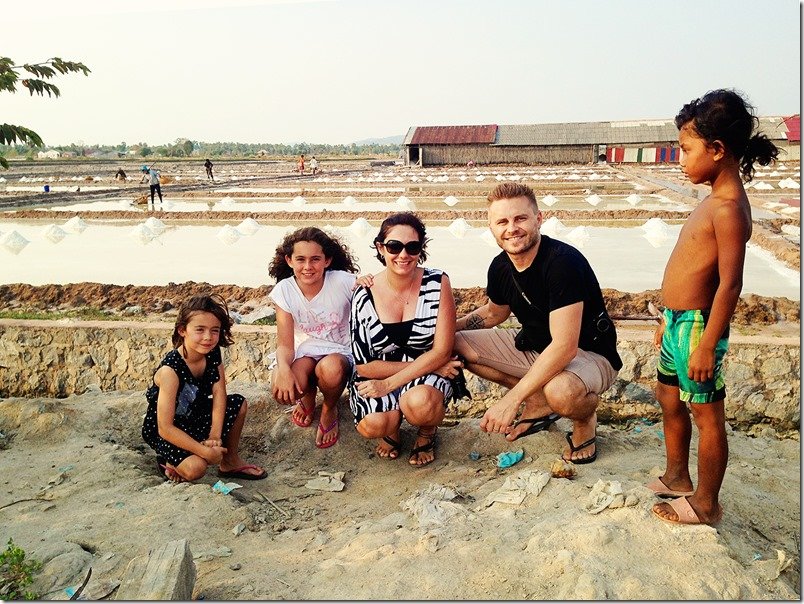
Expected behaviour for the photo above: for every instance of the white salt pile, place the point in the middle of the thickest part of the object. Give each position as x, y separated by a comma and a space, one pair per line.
404, 203
54, 233
633, 199
156, 226
248, 227
549, 200
788, 183
459, 227
360, 227
141, 233
228, 234
298, 201
13, 242
763, 186
349, 201
488, 238
552, 226
579, 235
76, 225
451, 200
593, 200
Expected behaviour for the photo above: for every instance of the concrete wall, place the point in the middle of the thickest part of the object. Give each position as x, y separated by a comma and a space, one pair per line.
54, 359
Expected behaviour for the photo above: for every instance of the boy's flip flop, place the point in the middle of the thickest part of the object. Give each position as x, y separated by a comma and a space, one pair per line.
537, 424
242, 474
662, 490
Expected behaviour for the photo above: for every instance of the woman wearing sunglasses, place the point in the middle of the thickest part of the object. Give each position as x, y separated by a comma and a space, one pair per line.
403, 327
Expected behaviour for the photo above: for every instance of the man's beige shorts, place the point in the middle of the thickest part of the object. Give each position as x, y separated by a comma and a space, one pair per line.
495, 348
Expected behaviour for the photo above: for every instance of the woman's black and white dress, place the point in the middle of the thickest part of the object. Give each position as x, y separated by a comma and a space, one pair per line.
372, 341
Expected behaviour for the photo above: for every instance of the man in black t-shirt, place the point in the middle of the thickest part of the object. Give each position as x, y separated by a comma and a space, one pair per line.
565, 355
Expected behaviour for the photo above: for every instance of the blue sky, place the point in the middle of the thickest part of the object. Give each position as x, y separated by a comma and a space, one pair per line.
337, 71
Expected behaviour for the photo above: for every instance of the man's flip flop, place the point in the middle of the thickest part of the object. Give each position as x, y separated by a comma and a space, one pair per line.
537, 424
306, 413
323, 431
662, 490
242, 474
685, 513
575, 449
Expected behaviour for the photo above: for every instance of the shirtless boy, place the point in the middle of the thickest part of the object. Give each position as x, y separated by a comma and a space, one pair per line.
701, 285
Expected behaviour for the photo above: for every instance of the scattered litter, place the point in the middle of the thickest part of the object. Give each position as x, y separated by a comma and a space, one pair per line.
327, 481
474, 455
563, 469
66, 468
238, 529
609, 494
225, 487
235, 566
773, 568
509, 458
433, 506
516, 488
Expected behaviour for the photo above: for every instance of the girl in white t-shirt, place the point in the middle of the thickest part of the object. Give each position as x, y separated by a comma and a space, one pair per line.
315, 277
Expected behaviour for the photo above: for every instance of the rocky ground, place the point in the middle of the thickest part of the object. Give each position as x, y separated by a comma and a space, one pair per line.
79, 490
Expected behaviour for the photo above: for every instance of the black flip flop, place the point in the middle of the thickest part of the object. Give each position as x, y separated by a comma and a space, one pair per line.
424, 449
395, 446
537, 424
574, 449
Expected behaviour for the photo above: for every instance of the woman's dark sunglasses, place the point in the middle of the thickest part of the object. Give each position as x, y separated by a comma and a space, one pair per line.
414, 248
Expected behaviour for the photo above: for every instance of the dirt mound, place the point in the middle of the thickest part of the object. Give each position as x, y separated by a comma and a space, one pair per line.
751, 309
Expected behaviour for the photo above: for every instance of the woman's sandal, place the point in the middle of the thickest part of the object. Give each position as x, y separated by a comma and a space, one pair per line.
307, 415
424, 448
393, 452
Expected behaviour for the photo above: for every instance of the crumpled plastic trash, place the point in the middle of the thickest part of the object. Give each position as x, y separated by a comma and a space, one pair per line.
327, 481
771, 568
225, 487
516, 488
433, 507
509, 458
609, 494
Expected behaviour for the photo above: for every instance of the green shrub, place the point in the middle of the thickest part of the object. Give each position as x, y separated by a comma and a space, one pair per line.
16, 574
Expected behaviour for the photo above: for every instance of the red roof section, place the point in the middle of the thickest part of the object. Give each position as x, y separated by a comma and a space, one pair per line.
793, 124
454, 135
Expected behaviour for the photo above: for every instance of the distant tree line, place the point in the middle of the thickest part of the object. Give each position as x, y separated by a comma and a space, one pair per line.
187, 148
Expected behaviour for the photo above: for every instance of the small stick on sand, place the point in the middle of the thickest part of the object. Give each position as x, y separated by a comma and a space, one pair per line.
278, 509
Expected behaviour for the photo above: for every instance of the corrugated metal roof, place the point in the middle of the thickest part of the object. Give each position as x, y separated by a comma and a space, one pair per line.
581, 133
409, 135
793, 124
588, 133
454, 135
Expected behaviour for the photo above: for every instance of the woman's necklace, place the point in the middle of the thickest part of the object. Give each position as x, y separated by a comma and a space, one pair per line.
408, 289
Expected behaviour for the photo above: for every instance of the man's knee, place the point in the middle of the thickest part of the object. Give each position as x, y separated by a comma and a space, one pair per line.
564, 391
463, 348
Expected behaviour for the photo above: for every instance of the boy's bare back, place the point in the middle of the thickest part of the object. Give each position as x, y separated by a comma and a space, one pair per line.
710, 248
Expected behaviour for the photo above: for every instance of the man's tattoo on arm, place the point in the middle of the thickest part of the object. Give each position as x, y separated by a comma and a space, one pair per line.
474, 321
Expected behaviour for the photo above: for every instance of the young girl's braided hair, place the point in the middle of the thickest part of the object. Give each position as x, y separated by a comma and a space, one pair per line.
724, 115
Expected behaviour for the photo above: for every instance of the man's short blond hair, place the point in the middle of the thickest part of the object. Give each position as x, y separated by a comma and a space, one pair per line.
512, 190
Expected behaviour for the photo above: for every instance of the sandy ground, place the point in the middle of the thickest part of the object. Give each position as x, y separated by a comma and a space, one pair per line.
389, 534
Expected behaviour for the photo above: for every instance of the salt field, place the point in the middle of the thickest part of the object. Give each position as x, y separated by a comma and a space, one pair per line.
151, 253
625, 220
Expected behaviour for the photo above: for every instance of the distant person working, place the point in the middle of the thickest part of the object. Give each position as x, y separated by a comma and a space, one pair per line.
208, 167
152, 175
301, 164
314, 165
121, 175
